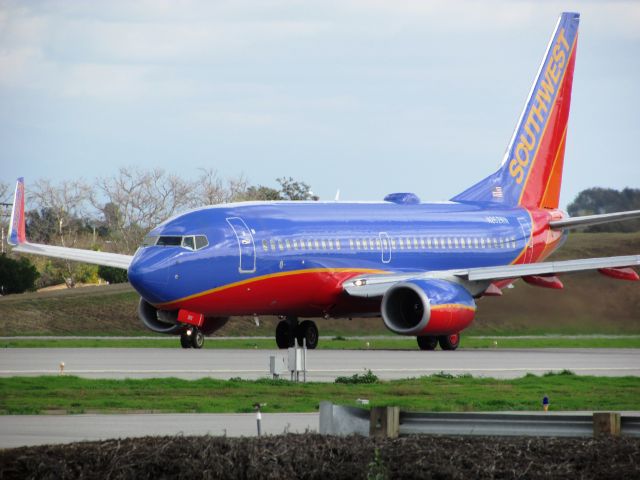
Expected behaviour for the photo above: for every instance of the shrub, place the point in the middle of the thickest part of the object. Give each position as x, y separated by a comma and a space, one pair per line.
16, 276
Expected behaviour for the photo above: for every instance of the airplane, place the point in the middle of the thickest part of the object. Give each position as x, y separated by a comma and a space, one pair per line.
420, 266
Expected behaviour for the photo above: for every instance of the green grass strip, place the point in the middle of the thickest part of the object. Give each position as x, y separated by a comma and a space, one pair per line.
337, 343
440, 392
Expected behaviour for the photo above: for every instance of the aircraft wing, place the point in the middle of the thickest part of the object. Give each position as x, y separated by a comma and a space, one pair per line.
375, 285
18, 238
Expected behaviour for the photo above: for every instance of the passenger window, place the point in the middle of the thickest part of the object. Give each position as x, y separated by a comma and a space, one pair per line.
288, 244
338, 244
449, 242
378, 244
422, 244
476, 243
357, 244
189, 242
462, 244
281, 245
351, 243
295, 244
265, 246
309, 244
455, 242
273, 245
324, 244
393, 243
408, 244
401, 243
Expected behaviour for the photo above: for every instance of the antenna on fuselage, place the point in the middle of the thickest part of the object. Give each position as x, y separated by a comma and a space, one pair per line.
337, 199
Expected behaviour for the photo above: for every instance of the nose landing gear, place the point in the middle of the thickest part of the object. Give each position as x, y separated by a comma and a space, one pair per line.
192, 337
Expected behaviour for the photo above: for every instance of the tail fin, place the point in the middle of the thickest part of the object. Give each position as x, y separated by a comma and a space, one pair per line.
17, 231
531, 171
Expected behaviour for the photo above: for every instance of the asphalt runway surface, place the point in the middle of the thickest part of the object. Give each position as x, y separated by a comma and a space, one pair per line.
322, 365
25, 430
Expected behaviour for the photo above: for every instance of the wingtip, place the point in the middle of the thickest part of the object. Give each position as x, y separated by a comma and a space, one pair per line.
17, 229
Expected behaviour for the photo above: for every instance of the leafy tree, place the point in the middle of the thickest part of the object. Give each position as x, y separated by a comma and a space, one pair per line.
112, 274
17, 276
593, 201
291, 189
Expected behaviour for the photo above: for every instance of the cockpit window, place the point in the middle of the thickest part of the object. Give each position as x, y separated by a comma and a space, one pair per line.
149, 240
201, 241
169, 241
188, 242
192, 242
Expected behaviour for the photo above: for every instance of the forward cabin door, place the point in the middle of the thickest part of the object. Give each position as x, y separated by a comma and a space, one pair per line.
246, 244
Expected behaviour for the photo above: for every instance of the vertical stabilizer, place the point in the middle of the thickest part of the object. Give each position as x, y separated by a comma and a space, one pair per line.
531, 171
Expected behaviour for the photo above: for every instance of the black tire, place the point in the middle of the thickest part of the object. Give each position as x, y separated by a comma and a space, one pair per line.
309, 332
185, 341
197, 339
449, 342
427, 343
283, 334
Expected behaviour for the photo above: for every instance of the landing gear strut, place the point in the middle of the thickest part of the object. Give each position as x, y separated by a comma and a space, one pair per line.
192, 337
289, 330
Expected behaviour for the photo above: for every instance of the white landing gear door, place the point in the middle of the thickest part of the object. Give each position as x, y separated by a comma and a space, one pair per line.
246, 244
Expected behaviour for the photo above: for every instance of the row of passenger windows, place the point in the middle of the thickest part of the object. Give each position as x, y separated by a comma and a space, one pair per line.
394, 243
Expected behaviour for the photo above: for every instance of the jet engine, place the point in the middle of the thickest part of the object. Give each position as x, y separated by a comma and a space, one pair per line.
427, 307
166, 321
160, 321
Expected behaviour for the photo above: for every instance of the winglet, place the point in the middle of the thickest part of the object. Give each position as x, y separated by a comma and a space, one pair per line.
17, 231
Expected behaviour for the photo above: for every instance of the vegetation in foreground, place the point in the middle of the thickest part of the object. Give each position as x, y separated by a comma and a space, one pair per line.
439, 392
336, 343
321, 456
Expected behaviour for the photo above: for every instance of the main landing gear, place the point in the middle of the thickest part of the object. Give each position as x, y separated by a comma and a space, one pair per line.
192, 337
289, 330
447, 342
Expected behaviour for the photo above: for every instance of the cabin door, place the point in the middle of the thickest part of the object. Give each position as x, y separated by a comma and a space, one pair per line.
385, 244
246, 245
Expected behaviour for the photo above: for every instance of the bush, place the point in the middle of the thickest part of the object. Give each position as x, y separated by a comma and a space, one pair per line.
368, 377
16, 276
112, 274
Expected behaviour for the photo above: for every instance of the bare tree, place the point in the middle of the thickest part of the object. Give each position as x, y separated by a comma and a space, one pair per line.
5, 198
67, 204
137, 200
210, 189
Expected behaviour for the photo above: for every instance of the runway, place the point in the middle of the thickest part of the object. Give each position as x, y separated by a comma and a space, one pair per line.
322, 365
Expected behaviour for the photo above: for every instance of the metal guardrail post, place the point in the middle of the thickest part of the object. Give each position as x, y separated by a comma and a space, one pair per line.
384, 422
606, 424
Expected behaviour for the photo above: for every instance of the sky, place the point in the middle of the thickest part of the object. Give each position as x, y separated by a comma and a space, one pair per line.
368, 97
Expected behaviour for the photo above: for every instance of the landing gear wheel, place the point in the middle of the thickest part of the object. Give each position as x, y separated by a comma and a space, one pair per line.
284, 335
185, 340
307, 331
427, 343
449, 342
197, 338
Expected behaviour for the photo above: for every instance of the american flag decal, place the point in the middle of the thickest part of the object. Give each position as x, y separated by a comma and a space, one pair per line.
497, 192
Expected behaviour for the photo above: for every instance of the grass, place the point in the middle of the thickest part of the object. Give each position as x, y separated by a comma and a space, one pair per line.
440, 392
339, 343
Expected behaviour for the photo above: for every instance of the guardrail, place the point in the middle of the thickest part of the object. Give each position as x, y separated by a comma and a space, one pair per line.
391, 422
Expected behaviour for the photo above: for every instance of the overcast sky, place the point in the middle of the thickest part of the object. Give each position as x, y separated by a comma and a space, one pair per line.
370, 97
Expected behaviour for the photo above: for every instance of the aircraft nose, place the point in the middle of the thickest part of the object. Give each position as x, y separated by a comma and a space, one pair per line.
149, 273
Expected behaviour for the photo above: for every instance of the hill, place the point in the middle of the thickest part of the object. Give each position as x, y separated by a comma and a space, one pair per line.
589, 303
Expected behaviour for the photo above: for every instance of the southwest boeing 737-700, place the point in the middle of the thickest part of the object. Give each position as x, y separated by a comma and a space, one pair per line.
421, 266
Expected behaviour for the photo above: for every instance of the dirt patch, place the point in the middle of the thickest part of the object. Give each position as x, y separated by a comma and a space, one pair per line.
314, 456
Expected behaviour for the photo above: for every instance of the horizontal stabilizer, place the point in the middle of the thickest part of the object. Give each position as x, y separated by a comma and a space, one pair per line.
587, 220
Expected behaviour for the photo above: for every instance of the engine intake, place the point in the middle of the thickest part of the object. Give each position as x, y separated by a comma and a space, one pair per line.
427, 307
160, 321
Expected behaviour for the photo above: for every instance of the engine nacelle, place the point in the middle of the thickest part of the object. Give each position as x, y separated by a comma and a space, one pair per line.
166, 321
427, 307
159, 321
